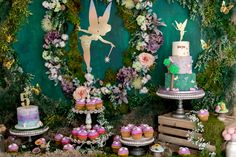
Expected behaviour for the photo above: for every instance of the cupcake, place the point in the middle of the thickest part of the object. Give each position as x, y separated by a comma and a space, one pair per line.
123, 151
90, 105
93, 134
143, 126
75, 132
101, 130
116, 146
131, 126
184, 151
96, 127
68, 147
82, 127
148, 132
65, 140
203, 115
125, 132
117, 138
82, 135
80, 104
13, 148
98, 103
137, 133
58, 138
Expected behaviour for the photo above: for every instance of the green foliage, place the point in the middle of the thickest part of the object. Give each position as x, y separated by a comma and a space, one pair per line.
110, 77
167, 62
127, 58
72, 13
213, 130
174, 69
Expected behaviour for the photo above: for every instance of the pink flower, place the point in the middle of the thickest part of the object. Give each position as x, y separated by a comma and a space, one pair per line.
217, 109
146, 59
80, 93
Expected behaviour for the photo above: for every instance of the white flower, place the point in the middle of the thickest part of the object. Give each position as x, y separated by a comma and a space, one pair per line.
129, 4
62, 44
45, 4
58, 7
64, 1
89, 77
140, 19
46, 55
64, 37
47, 24
137, 66
144, 80
138, 6
148, 77
144, 90
143, 27
105, 91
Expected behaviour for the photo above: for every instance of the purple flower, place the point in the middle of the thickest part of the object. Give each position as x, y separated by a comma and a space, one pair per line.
67, 86
155, 41
126, 75
51, 36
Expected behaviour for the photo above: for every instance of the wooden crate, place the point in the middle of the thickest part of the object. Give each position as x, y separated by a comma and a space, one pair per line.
174, 131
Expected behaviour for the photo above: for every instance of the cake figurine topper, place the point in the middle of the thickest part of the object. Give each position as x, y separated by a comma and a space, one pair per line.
98, 27
181, 28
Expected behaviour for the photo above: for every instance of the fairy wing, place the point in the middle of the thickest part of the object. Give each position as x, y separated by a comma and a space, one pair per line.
106, 15
93, 17
184, 24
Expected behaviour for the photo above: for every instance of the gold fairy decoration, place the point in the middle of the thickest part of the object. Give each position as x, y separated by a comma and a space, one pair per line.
181, 28
98, 27
224, 8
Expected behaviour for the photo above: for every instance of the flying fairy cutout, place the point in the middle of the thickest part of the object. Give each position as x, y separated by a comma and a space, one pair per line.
181, 27
98, 27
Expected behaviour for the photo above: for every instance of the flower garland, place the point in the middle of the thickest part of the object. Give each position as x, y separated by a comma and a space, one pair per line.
144, 44
199, 128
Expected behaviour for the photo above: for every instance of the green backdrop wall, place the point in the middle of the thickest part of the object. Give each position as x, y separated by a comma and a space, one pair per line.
30, 40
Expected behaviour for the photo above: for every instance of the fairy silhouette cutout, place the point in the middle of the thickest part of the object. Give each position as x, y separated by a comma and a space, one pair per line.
98, 27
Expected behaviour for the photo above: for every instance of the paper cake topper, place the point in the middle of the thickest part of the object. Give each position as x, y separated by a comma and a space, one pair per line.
98, 27
24, 97
181, 27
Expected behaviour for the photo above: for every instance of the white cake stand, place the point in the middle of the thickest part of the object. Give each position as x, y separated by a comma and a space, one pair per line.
180, 95
29, 133
137, 144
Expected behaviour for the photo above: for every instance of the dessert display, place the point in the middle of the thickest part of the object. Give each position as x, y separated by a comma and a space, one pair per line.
116, 145
148, 132
123, 151
203, 115
82, 135
184, 151
80, 104
93, 134
90, 104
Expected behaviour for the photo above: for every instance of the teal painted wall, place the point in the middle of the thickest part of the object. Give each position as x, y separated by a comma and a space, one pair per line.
30, 40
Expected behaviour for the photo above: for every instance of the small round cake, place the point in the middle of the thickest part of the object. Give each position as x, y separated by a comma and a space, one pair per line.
75, 132
137, 133
148, 132
58, 138
184, 151
93, 134
96, 127
82, 135
125, 132
80, 104
117, 138
101, 130
68, 147
203, 115
90, 105
65, 140
123, 151
116, 146
98, 103
13, 148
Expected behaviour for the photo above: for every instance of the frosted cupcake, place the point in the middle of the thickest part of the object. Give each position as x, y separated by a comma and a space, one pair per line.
75, 132
93, 134
13, 148
123, 151
98, 103
68, 147
80, 104
90, 105
131, 126
148, 132
58, 138
116, 146
184, 151
137, 133
125, 132
96, 127
82, 135
82, 127
117, 138
101, 130
65, 140
203, 115
143, 126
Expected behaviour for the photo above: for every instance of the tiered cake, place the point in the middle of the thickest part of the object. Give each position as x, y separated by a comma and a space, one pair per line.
185, 79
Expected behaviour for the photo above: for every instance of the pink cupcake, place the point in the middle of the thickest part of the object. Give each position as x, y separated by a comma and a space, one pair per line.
75, 132
90, 105
93, 134
117, 138
58, 138
96, 127
68, 147
98, 103
184, 151
143, 126
125, 132
203, 115
13, 148
115, 146
101, 130
82, 135
65, 140
82, 127
148, 132
137, 133
80, 104
131, 126
123, 151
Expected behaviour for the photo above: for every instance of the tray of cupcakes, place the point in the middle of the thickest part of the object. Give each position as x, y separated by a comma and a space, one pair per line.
92, 105
140, 134
81, 135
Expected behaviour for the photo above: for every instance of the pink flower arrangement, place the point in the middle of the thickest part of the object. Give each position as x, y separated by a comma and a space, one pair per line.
80, 93
229, 134
146, 59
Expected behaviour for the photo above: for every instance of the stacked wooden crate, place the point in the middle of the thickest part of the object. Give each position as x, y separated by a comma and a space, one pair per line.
174, 132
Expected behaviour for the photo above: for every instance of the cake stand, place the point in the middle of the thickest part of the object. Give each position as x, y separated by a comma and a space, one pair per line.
180, 96
137, 144
29, 133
